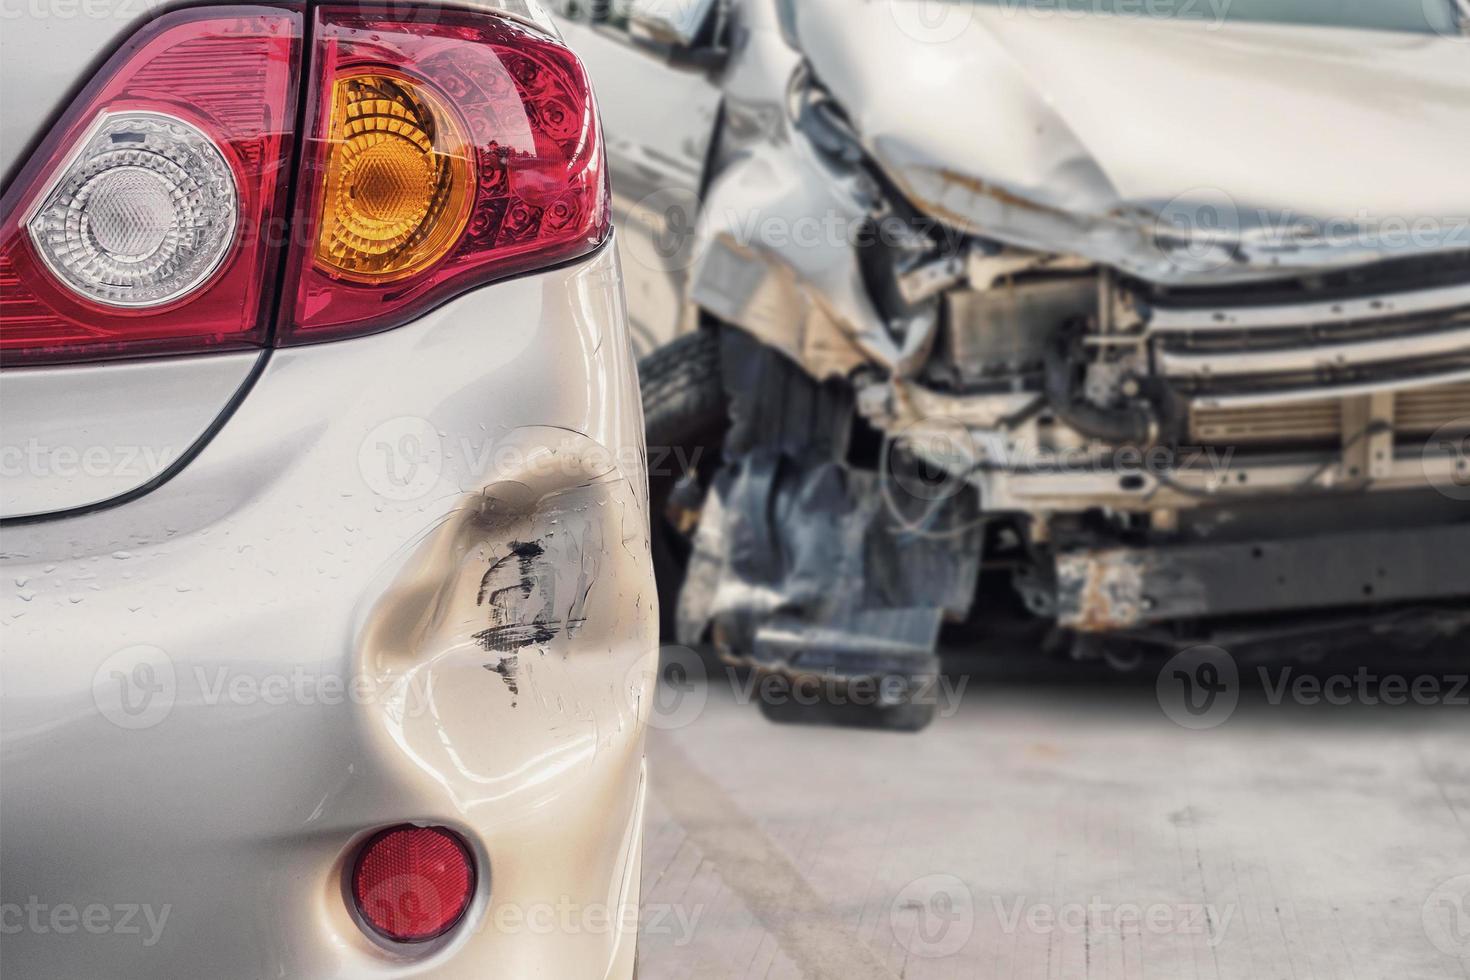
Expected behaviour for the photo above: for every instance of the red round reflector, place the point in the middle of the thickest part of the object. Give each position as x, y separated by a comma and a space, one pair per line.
412, 884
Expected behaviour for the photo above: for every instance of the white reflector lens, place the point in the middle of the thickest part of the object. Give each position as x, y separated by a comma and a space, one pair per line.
142, 215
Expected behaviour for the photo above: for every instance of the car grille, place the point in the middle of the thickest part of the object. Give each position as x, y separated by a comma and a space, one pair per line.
1288, 362
1417, 412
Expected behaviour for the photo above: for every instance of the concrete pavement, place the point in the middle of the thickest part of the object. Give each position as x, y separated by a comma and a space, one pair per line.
1055, 829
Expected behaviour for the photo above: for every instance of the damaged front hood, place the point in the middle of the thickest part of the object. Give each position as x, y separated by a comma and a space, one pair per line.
1178, 150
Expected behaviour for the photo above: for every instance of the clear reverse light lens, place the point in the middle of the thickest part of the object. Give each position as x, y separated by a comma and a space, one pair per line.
142, 215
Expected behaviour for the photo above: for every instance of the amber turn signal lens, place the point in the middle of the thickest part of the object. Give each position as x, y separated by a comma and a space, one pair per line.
398, 182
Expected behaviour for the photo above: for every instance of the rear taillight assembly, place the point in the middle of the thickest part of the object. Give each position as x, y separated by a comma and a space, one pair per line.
439, 154
142, 225
440, 149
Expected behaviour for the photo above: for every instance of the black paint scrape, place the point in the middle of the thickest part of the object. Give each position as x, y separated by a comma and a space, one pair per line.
508, 669
503, 639
519, 591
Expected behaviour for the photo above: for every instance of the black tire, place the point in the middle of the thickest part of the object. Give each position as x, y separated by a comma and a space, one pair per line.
684, 417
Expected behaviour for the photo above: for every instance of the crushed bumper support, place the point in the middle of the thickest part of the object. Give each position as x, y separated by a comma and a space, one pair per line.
1125, 588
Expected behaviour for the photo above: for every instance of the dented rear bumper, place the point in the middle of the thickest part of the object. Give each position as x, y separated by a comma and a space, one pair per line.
378, 595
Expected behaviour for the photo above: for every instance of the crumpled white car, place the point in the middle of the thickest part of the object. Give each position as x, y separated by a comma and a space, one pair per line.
1143, 324
328, 611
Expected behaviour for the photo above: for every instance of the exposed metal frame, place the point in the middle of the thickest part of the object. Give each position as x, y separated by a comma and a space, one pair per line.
1119, 588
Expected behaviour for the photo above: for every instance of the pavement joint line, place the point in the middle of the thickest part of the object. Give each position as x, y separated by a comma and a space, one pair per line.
756, 870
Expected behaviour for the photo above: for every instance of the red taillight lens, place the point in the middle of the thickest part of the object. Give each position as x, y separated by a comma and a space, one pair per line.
445, 150
413, 884
142, 224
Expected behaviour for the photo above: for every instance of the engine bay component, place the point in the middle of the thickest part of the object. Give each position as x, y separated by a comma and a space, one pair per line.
997, 333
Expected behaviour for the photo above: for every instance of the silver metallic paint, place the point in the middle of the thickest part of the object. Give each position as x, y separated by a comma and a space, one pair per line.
77, 435
272, 554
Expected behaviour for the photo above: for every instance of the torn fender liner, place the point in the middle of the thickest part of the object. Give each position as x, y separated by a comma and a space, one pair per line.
1122, 588
798, 564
